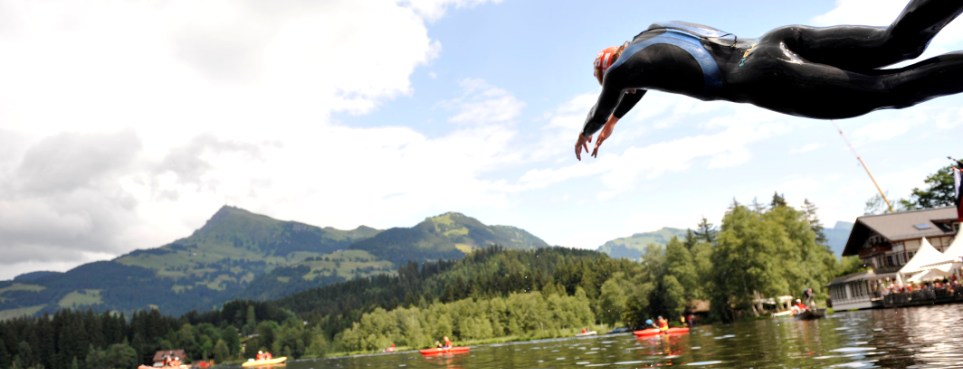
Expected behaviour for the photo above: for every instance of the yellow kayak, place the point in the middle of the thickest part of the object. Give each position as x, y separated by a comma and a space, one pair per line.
274, 361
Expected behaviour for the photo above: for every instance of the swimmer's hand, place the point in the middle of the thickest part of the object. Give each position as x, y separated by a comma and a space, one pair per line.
604, 134
582, 145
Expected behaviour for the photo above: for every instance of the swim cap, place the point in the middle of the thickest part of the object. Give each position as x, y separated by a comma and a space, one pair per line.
605, 59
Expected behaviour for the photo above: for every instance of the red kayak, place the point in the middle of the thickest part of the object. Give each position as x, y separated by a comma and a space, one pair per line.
442, 351
655, 331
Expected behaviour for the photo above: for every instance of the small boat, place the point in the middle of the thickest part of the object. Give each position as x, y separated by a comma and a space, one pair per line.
655, 331
783, 314
265, 362
811, 314
444, 350
586, 333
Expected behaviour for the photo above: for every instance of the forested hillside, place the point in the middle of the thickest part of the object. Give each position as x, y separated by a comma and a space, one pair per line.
633, 247
239, 254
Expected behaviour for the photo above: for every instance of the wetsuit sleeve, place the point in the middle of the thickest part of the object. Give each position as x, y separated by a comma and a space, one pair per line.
628, 101
610, 102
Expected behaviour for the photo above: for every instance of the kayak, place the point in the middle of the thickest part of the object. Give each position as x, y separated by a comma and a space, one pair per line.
273, 361
811, 314
589, 333
783, 314
655, 331
442, 351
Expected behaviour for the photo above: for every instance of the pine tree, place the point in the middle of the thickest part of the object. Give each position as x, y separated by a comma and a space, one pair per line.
706, 231
810, 210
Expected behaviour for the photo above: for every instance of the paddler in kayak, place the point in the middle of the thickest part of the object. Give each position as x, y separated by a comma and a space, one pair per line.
445, 345
663, 325
799, 307
650, 324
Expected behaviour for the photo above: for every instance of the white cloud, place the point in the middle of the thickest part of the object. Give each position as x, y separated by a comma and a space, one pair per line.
125, 125
723, 141
434, 9
861, 12
482, 103
809, 147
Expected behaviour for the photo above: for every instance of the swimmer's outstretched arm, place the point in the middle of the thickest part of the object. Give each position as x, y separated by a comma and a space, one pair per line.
605, 119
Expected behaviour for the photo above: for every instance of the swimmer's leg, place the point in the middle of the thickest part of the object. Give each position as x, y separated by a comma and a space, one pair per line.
823, 91
934, 77
861, 48
920, 21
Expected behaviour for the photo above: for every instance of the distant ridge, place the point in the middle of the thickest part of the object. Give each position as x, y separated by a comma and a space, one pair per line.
633, 246
837, 236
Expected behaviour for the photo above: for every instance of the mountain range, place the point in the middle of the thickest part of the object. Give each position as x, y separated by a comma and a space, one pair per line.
241, 255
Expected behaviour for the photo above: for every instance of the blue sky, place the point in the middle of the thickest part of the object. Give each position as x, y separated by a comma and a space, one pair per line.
126, 125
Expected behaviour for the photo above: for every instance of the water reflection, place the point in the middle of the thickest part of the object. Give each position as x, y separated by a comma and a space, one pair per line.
921, 337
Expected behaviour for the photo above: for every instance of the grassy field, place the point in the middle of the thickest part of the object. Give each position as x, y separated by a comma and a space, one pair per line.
21, 287
16, 313
80, 298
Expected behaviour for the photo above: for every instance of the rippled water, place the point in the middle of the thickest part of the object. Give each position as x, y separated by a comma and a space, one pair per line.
920, 337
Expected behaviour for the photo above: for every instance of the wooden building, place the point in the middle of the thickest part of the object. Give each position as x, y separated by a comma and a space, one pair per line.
885, 243
158, 359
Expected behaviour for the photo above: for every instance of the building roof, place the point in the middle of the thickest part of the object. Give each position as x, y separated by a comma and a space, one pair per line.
159, 355
902, 226
857, 276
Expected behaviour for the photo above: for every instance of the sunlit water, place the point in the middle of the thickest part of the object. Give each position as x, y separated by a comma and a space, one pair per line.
921, 337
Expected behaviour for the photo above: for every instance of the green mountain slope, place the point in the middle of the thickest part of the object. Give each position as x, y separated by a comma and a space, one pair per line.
446, 236
226, 258
239, 254
632, 247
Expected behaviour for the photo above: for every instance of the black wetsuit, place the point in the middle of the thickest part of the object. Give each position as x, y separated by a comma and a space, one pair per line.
826, 73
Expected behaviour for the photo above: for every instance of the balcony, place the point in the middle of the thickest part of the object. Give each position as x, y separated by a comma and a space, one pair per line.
875, 250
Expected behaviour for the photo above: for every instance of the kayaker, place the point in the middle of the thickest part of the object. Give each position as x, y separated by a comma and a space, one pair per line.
799, 307
810, 297
663, 324
259, 356
447, 342
651, 324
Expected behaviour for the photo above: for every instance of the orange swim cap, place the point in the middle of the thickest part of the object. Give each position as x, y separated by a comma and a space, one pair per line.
605, 59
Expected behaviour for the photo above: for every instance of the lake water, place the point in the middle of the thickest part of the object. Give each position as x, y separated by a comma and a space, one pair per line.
920, 337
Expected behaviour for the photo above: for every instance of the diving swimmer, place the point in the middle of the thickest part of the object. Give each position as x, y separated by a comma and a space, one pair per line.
824, 73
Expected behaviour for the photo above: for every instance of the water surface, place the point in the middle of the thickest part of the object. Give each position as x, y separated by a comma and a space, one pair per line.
919, 337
